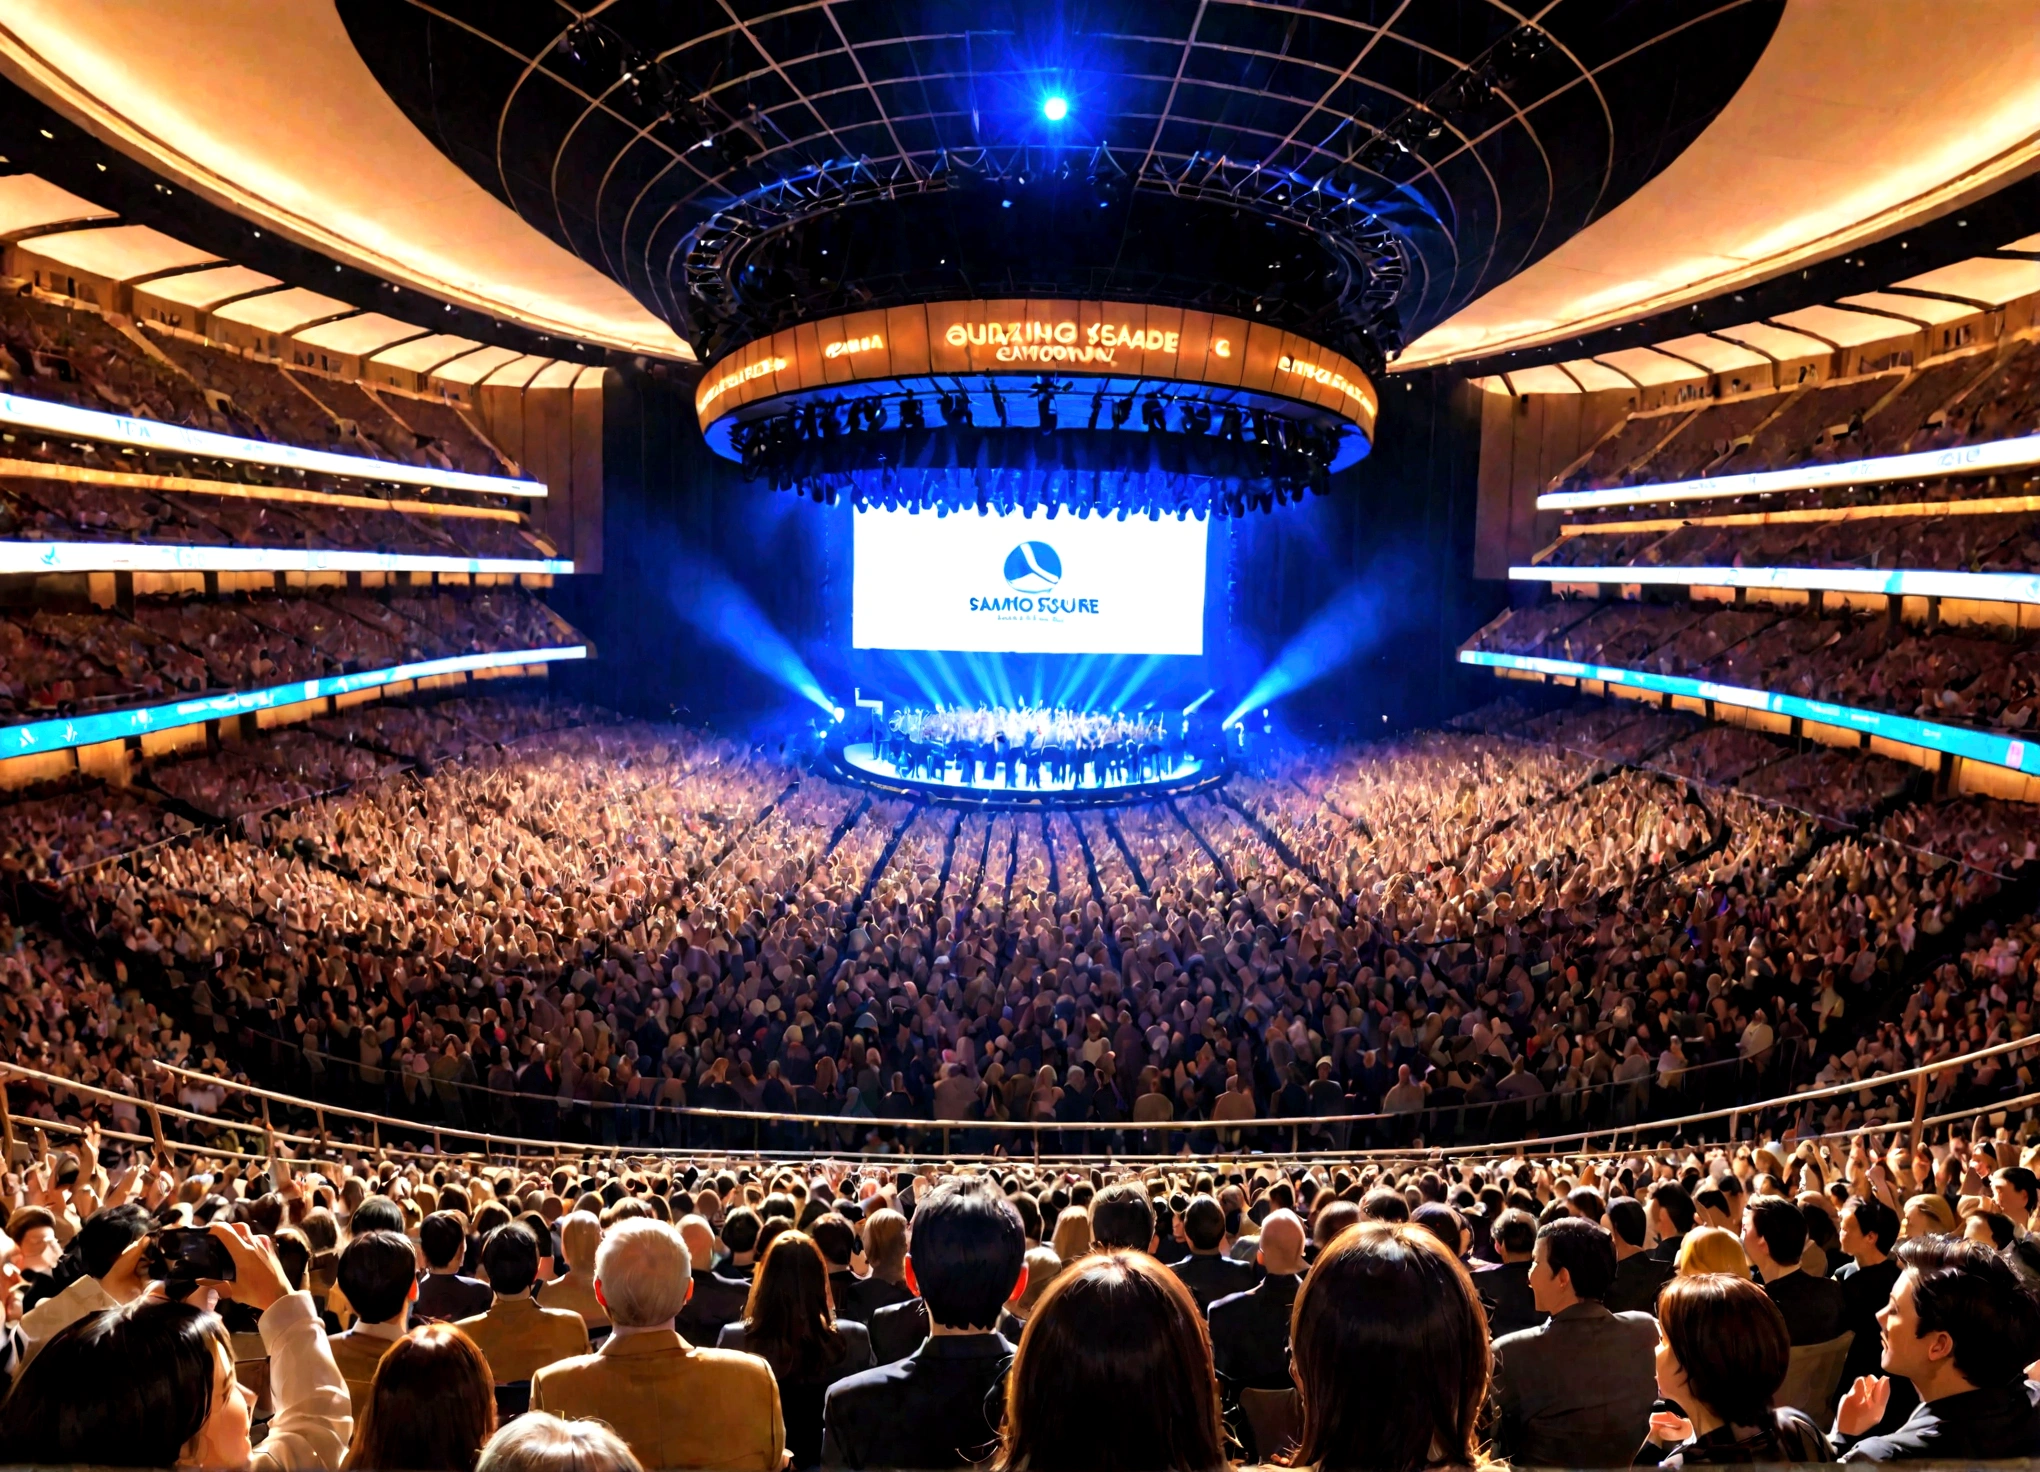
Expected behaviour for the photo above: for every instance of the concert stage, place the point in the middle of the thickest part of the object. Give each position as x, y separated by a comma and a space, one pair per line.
859, 762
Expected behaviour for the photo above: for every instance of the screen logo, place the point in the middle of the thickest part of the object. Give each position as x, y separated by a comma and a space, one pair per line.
1033, 567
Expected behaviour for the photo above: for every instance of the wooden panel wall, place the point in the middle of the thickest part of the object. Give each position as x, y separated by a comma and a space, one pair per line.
1525, 440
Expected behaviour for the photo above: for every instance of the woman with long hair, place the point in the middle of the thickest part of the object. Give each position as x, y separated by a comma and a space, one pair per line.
1072, 1238
790, 1322
431, 1407
1113, 1374
1723, 1351
1387, 1307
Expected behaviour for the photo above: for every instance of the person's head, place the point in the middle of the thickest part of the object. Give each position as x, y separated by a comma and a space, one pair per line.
1574, 1260
836, 1238
1280, 1252
148, 1385
1122, 1217
1043, 1267
376, 1214
740, 1229
1114, 1372
789, 1319
378, 1273
966, 1256
699, 1238
1958, 1306
1386, 1305
442, 1237
106, 1234
1712, 1250
431, 1407
642, 1273
1868, 1229
1991, 1228
1072, 1233
2016, 1190
1928, 1216
1774, 1234
580, 1237
541, 1442
1671, 1209
1204, 1224
34, 1230
1383, 1204
1722, 1343
1515, 1235
885, 1244
510, 1257
1627, 1223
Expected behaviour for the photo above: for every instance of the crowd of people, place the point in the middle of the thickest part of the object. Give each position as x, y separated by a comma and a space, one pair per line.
1031, 746
1853, 1300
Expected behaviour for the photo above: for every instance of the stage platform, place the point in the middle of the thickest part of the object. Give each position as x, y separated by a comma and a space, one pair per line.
859, 762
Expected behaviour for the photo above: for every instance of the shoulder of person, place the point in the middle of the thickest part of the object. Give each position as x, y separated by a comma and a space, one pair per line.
736, 1364
567, 1368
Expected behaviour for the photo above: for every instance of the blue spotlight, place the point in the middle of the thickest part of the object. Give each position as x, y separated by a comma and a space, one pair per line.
1055, 109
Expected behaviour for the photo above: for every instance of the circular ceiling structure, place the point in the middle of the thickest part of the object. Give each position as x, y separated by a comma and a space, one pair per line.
1353, 177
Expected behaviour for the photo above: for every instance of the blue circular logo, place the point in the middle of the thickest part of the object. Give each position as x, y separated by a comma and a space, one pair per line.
1033, 567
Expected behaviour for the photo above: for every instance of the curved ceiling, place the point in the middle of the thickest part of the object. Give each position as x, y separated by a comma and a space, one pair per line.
1481, 133
267, 110
1857, 122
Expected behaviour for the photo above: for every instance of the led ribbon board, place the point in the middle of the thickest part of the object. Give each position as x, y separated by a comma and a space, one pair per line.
1958, 460
63, 732
34, 557
1990, 587
90, 424
1032, 337
2017, 753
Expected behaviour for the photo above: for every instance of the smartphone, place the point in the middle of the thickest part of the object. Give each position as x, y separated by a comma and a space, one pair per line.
190, 1255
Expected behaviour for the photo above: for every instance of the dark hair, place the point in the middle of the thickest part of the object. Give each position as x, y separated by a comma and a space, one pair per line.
836, 1238
967, 1247
1385, 1204
1626, 1220
1515, 1232
443, 1235
2002, 1232
1204, 1223
430, 1408
1388, 1306
1583, 1249
376, 1214
510, 1253
1878, 1221
106, 1234
123, 1387
2022, 1180
740, 1229
788, 1319
1442, 1222
1730, 1340
1778, 1223
1113, 1374
1030, 1214
1967, 1291
1675, 1202
1334, 1218
376, 1272
1123, 1217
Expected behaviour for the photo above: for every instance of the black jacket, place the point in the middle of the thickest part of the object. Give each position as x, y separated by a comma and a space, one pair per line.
1814, 1308
1995, 1425
1250, 1334
939, 1407
1505, 1290
1790, 1437
445, 1297
1637, 1280
801, 1400
897, 1330
716, 1301
860, 1298
1212, 1276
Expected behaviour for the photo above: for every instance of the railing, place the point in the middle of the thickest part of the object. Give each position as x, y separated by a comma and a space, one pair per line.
1130, 1141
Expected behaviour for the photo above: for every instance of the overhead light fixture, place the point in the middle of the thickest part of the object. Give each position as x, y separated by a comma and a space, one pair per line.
1055, 109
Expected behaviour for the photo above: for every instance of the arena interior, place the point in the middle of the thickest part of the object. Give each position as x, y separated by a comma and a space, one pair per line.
1057, 737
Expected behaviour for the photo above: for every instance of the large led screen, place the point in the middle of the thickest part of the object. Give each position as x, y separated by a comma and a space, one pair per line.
1015, 584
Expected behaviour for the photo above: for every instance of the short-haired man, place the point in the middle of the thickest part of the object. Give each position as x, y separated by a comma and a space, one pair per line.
966, 1259
741, 1228
1672, 1215
1250, 1330
446, 1293
1639, 1273
517, 1336
715, 1300
1774, 1235
1504, 1287
1962, 1327
673, 1404
379, 1274
1868, 1232
1123, 1219
1207, 1272
109, 1247
2016, 1190
1575, 1391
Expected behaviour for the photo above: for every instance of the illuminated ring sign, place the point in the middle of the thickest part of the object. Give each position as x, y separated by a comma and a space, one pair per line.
1026, 338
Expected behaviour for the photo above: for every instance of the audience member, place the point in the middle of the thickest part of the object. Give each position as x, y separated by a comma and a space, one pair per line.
1774, 1236
1721, 1357
580, 1235
713, 1301
542, 1443
791, 1324
1250, 1330
1206, 1271
1639, 1272
516, 1336
379, 1275
1712, 1250
430, 1405
444, 1293
1504, 1286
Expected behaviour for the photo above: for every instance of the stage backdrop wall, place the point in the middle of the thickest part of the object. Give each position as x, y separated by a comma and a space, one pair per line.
719, 599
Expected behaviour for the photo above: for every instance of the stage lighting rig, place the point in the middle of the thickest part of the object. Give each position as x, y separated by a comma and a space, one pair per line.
1152, 415
912, 416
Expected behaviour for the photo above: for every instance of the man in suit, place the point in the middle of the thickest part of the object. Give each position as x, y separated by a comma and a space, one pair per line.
1869, 1231
674, 1405
1638, 1273
714, 1300
1505, 1288
1575, 1391
1672, 1215
1774, 1236
445, 1293
1959, 1326
1207, 1272
516, 1336
1250, 1330
940, 1406
379, 1275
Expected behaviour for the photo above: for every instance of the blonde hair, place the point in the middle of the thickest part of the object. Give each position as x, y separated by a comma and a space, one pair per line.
1712, 1250
541, 1442
1935, 1208
1072, 1234
580, 1236
885, 1243
1043, 1267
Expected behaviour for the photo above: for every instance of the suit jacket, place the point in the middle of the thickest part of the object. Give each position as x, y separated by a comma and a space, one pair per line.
1997, 1424
938, 1408
800, 1400
1668, 1250
518, 1338
1814, 1308
1250, 1334
898, 1330
1505, 1291
860, 1298
564, 1292
1212, 1276
444, 1296
716, 1301
1637, 1280
1576, 1391
675, 1405
357, 1353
